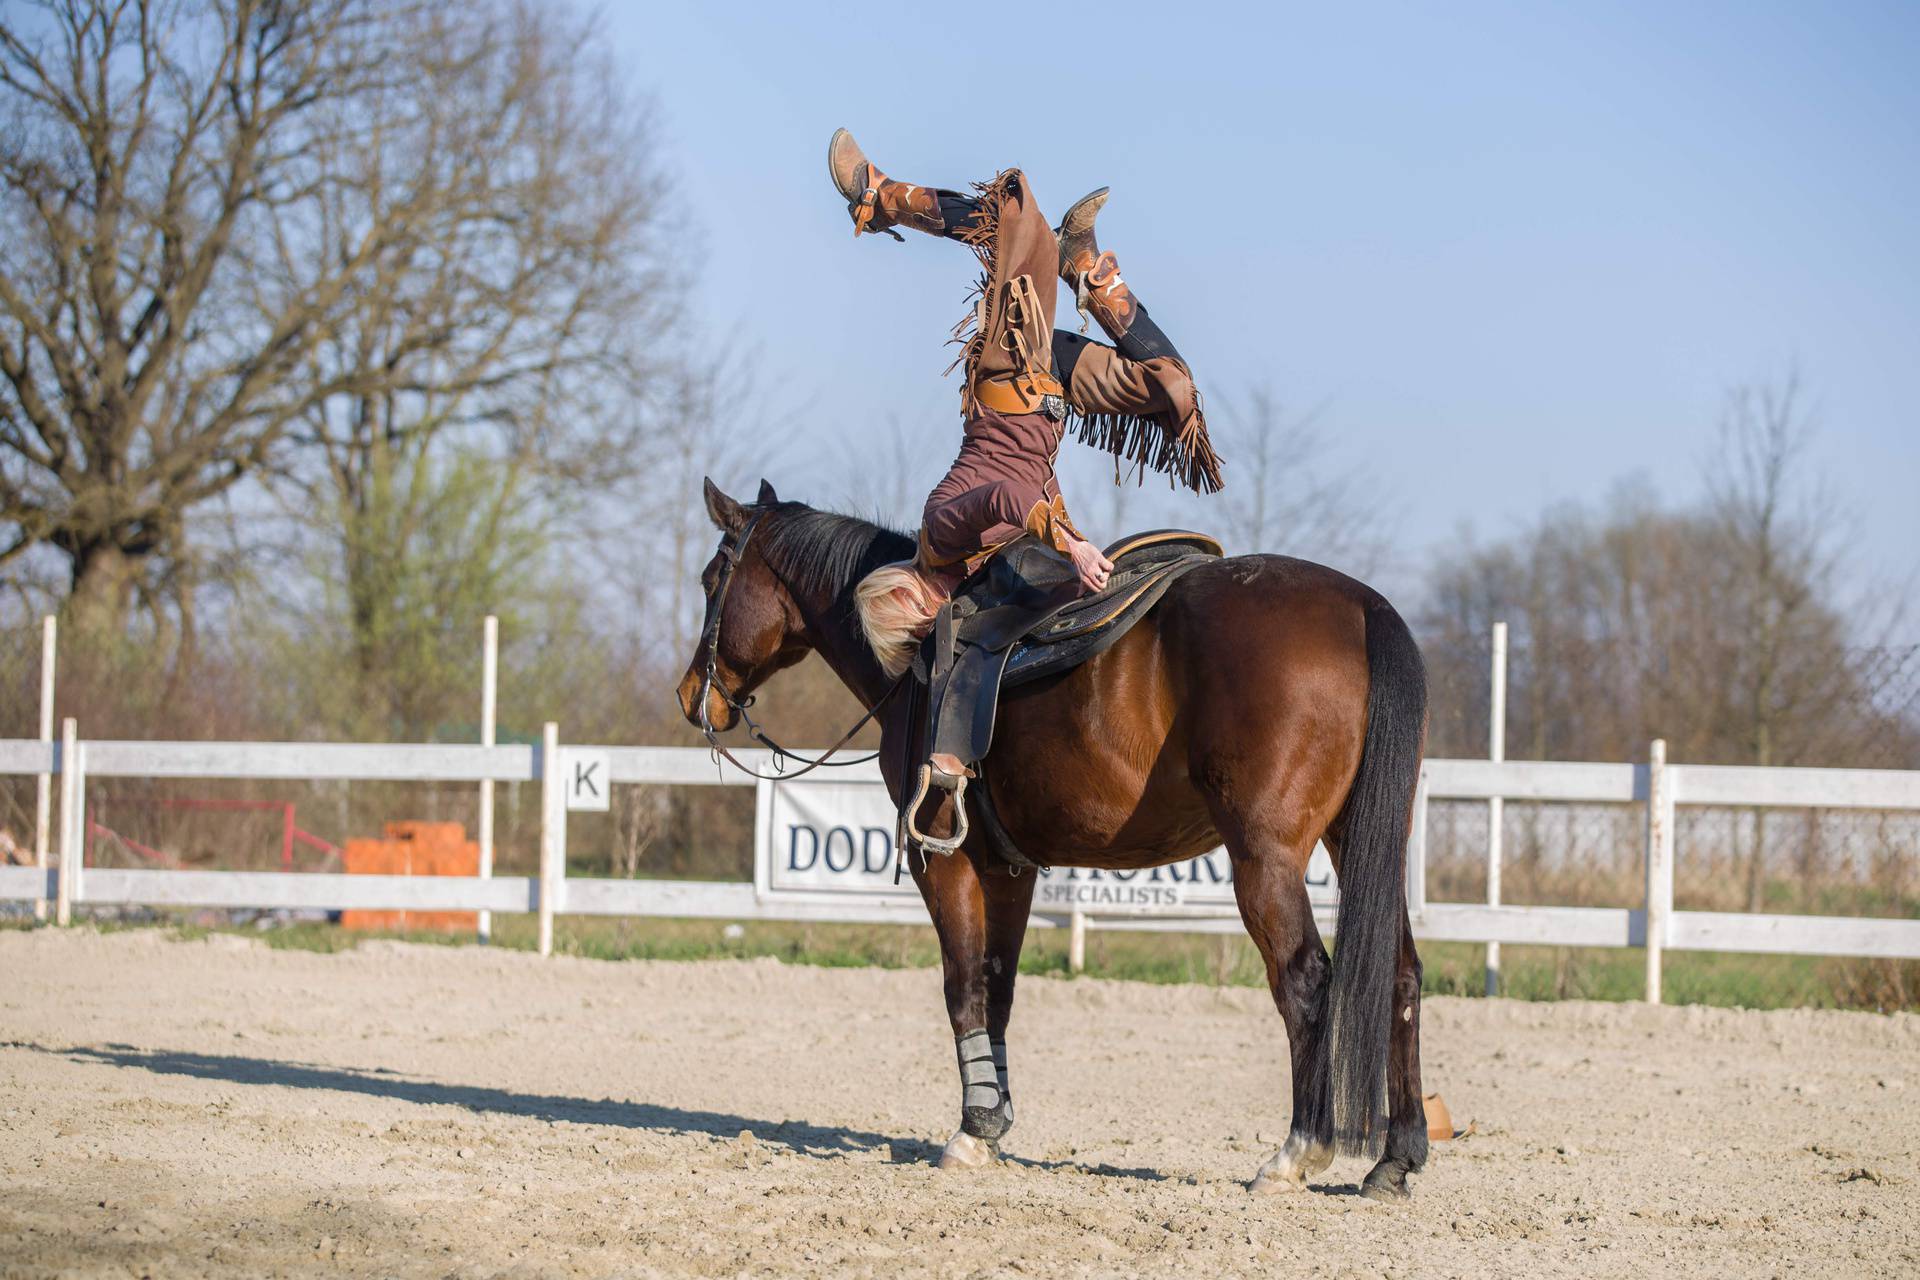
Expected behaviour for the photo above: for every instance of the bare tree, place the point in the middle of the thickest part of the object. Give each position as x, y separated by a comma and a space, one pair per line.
1282, 496
703, 431
642, 815
134, 152
882, 475
522, 354
1779, 530
246, 226
1720, 627
1782, 530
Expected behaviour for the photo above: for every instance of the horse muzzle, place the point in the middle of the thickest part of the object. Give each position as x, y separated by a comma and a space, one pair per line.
720, 714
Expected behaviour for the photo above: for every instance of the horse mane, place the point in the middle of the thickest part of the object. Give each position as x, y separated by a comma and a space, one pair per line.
826, 553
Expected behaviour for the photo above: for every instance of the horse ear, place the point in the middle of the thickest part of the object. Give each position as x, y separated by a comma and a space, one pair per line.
726, 514
767, 496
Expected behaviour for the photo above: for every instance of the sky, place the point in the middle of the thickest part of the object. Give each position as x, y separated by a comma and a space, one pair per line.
1507, 254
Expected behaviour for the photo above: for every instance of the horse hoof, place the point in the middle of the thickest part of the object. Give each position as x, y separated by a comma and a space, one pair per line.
1291, 1166
1268, 1184
1387, 1184
964, 1151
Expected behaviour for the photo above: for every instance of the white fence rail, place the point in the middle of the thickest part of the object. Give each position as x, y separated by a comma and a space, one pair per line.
1655, 925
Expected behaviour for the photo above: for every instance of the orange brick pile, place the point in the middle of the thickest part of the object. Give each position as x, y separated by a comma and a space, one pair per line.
413, 849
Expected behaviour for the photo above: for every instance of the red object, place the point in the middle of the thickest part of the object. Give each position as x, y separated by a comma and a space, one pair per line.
290, 832
151, 855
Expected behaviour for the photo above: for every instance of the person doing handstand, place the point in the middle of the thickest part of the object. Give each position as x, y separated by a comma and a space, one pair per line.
1025, 383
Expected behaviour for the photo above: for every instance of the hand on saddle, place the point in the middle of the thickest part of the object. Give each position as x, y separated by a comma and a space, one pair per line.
1092, 567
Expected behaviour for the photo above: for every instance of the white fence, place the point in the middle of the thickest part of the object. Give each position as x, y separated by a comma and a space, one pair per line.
1655, 925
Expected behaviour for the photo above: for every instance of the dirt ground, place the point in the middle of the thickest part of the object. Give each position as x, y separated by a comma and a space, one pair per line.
176, 1108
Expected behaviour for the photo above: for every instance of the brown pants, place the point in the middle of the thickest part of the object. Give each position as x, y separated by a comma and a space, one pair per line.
1001, 485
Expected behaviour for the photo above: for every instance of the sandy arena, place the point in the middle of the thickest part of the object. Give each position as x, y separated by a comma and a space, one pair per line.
173, 1108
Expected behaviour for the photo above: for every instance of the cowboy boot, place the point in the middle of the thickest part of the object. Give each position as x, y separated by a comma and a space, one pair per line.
1100, 290
1078, 249
876, 202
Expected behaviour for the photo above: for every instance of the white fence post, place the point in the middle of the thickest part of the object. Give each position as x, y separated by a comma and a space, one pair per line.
1659, 862
73, 831
553, 830
489, 703
43, 783
1496, 805
1076, 942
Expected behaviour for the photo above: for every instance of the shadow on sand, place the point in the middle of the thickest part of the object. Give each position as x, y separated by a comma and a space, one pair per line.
819, 1141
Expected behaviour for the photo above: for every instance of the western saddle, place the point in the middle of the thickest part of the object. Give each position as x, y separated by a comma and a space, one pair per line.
1020, 618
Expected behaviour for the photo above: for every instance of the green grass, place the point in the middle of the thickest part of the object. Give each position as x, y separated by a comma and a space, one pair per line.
1452, 968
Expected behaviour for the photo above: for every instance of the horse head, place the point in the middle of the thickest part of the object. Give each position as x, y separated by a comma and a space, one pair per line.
753, 626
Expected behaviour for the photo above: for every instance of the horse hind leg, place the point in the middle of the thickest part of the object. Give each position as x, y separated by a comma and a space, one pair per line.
1406, 1150
1272, 894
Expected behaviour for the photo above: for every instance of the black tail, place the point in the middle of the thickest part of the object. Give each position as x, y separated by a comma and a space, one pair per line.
1373, 868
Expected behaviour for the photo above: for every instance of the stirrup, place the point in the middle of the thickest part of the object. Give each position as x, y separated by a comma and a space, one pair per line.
957, 785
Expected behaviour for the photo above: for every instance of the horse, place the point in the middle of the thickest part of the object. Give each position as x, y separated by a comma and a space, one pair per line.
1265, 703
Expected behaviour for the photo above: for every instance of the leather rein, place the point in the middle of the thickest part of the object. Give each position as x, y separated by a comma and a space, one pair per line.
731, 553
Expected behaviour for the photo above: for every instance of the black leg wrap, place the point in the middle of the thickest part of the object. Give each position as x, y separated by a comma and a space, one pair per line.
1144, 340
990, 1123
1067, 348
956, 211
986, 1108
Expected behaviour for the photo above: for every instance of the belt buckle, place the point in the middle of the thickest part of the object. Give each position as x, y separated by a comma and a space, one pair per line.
1053, 406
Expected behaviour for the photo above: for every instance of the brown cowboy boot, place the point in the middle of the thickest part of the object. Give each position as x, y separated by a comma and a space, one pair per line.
1100, 290
876, 202
1077, 247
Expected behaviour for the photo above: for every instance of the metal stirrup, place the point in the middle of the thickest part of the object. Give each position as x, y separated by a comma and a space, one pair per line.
958, 790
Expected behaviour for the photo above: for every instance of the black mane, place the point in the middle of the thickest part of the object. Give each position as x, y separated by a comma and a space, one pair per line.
823, 552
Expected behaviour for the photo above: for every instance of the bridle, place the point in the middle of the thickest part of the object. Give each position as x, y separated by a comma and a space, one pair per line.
732, 551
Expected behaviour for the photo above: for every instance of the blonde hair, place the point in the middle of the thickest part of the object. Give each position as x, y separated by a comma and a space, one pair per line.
897, 604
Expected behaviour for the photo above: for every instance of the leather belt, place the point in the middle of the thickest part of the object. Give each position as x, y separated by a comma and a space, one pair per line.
1018, 393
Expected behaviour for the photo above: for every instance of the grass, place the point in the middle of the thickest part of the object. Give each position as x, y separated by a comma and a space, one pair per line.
1451, 968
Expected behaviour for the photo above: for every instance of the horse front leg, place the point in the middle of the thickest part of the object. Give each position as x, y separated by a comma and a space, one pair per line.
1009, 900
971, 916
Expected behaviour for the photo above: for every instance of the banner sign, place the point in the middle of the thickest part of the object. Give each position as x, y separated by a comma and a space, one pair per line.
821, 841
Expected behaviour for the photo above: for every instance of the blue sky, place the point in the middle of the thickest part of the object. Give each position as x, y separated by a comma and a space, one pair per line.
1511, 253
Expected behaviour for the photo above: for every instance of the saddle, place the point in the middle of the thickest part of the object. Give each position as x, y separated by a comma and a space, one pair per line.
1020, 618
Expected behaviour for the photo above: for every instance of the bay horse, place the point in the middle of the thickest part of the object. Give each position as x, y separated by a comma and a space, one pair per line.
1264, 703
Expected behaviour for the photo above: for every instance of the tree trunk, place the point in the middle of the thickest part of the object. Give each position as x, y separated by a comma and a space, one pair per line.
102, 596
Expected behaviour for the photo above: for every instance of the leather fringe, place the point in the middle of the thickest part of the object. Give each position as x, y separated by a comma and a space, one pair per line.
983, 237
1184, 455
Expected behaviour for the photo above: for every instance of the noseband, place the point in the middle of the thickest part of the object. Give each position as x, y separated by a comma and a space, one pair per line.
732, 552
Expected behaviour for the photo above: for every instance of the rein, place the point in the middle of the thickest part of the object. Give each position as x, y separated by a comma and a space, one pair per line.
731, 553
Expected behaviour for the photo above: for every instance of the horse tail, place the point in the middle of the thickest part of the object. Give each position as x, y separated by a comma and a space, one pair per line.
1373, 864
